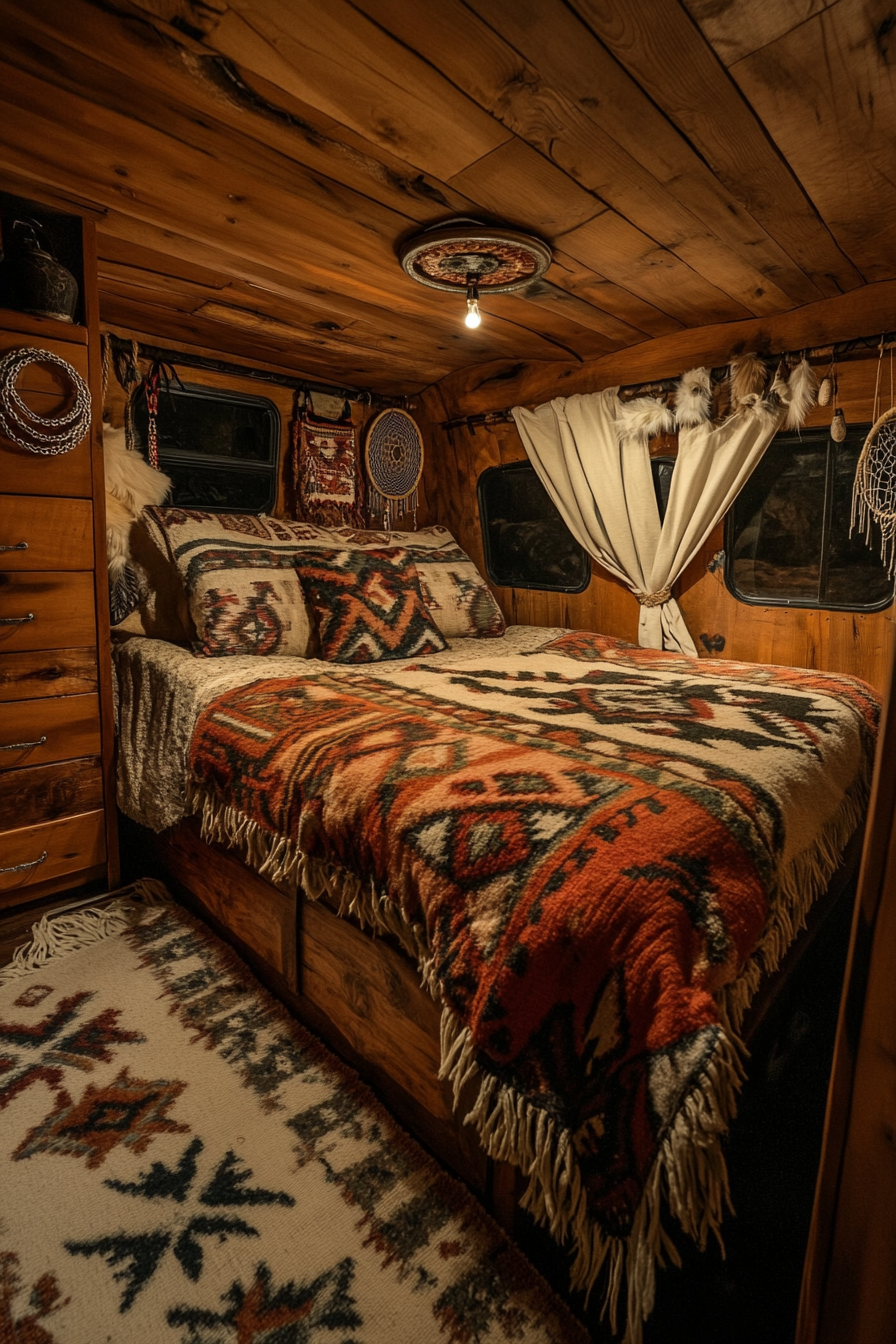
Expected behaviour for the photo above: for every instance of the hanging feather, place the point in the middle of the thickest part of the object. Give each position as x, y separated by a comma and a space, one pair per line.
642, 418
803, 390
693, 398
838, 426
748, 378
825, 390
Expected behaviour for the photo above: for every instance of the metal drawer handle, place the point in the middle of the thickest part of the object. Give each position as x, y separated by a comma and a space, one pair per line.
20, 746
20, 867
16, 620
19, 546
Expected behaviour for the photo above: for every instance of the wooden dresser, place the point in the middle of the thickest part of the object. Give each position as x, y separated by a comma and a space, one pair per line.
57, 799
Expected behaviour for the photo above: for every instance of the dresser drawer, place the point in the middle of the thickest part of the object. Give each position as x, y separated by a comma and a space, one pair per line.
26, 676
45, 390
52, 533
58, 610
70, 845
69, 725
47, 792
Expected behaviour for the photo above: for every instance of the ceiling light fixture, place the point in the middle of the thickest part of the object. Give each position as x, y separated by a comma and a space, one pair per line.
467, 255
473, 317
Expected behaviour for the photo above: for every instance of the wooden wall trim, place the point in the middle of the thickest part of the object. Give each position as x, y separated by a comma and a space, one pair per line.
501, 383
849, 1291
101, 578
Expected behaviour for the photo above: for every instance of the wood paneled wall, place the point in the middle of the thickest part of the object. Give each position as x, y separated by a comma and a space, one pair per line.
857, 643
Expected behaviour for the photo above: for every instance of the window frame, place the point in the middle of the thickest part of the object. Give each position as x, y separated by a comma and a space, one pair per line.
226, 465
522, 464
803, 438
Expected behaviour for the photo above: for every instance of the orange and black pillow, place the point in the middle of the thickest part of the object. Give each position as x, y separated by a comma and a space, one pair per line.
367, 605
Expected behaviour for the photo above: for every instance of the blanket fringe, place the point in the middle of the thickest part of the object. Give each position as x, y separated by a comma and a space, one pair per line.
59, 935
798, 887
282, 861
689, 1172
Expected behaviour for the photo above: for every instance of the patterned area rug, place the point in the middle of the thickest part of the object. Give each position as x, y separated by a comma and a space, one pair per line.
183, 1162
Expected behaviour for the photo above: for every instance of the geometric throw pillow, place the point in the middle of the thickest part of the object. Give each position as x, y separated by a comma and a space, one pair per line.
459, 600
456, 594
246, 600
238, 571
367, 605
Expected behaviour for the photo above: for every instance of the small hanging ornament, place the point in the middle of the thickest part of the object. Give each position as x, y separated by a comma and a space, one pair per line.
825, 390
838, 426
803, 389
838, 423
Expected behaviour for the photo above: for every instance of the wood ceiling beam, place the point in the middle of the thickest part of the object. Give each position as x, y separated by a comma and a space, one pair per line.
579, 279
826, 93
536, 67
160, 327
661, 47
860, 312
104, 123
181, 191
738, 30
656, 274
128, 43
247, 355
333, 58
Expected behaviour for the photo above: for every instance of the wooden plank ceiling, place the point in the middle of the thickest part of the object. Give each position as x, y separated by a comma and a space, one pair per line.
253, 164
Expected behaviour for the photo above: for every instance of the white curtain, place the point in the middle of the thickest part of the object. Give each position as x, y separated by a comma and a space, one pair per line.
602, 484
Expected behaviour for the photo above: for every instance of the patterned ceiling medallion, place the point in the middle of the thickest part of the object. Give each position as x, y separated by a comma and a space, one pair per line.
456, 255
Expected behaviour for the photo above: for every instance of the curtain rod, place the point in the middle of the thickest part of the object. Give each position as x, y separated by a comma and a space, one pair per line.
188, 361
842, 350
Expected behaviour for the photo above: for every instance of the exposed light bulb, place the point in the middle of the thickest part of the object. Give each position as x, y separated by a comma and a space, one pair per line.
473, 317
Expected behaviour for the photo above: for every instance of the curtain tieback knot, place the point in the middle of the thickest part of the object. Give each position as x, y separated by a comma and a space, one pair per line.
654, 599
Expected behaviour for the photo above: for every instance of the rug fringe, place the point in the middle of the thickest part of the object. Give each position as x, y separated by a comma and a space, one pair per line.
58, 935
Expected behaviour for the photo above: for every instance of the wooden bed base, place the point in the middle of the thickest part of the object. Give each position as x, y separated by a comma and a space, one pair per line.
363, 996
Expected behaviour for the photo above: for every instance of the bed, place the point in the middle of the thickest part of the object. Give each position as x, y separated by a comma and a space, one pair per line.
592, 856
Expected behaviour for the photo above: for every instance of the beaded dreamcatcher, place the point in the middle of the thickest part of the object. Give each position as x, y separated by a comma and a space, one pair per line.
394, 457
874, 491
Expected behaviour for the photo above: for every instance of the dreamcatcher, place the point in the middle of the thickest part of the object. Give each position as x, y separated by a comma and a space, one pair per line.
874, 491
394, 455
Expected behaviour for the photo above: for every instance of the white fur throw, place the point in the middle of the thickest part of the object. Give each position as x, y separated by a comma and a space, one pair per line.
131, 484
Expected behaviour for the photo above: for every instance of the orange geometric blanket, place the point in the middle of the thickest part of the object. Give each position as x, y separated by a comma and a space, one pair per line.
594, 851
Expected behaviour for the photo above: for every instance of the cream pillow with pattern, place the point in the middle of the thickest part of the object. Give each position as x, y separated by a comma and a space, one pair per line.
239, 574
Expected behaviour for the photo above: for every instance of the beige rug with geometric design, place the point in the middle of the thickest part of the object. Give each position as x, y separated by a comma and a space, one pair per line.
183, 1162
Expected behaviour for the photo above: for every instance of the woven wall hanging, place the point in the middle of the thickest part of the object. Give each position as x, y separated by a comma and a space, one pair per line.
325, 469
394, 456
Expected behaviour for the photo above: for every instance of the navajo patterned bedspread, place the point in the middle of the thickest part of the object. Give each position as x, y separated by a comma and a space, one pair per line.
595, 849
